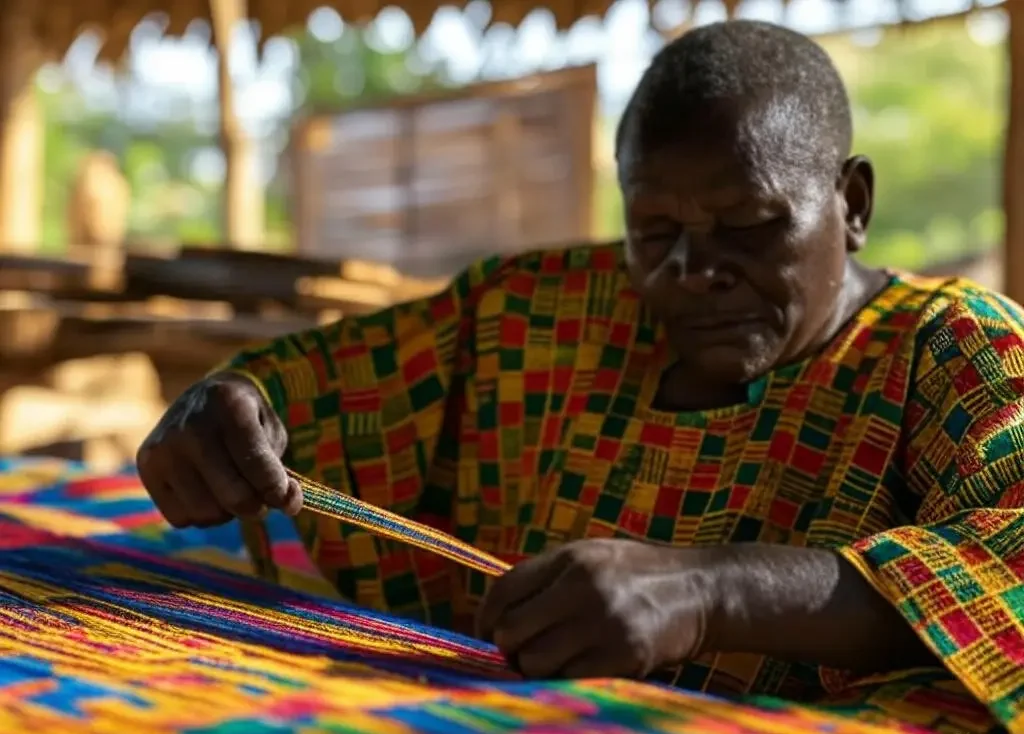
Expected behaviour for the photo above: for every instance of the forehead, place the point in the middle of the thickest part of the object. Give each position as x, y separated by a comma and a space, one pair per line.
756, 146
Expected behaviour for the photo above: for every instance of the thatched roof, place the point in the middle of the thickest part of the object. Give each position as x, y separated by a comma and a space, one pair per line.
57, 23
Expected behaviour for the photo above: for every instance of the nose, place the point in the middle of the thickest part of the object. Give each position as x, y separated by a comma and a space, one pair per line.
693, 265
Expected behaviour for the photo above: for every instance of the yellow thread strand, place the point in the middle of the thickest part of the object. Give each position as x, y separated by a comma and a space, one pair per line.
323, 500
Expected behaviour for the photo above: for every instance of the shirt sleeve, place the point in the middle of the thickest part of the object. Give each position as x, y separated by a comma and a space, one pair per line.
371, 405
957, 574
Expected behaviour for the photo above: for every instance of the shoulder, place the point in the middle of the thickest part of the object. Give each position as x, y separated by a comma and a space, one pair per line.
958, 307
564, 270
966, 332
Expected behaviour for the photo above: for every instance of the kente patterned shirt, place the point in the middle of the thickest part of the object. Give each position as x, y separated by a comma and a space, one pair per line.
514, 410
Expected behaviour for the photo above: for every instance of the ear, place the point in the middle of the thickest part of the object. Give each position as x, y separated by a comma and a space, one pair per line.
856, 187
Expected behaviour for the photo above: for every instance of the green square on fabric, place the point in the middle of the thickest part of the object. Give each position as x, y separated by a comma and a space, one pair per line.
327, 405
746, 529
957, 421
613, 358
712, 446
511, 359
534, 541
584, 441
401, 590
426, 392
546, 460
844, 379
695, 502
1014, 598
767, 419
614, 427
608, 508
534, 405
662, 528
477, 583
517, 304
747, 473
490, 474
885, 552
542, 321
940, 639
385, 361
571, 486
814, 438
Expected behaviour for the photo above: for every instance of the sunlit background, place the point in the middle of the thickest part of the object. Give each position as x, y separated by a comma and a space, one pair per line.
929, 107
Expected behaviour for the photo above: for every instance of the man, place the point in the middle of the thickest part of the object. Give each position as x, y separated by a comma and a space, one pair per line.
724, 449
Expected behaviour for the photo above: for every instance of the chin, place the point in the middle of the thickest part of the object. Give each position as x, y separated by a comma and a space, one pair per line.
730, 364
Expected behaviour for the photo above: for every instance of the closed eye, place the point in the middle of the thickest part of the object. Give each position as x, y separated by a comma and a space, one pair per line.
747, 226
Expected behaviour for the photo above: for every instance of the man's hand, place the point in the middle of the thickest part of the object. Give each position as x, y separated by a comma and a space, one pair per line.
621, 608
600, 608
215, 455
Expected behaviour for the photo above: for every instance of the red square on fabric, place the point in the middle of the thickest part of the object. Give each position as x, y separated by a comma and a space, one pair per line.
400, 438
1011, 644
668, 501
783, 513
300, 414
737, 497
328, 453
914, 570
781, 446
655, 435
871, 458
419, 366
405, 489
607, 449
510, 414
513, 332
568, 331
372, 474
443, 308
961, 628
633, 522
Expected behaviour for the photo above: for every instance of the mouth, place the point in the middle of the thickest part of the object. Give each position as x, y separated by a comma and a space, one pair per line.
717, 323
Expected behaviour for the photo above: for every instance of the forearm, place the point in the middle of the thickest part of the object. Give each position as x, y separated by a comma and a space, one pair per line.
808, 605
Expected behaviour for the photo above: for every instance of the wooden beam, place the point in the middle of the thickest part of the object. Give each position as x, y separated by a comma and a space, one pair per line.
243, 191
1013, 159
21, 134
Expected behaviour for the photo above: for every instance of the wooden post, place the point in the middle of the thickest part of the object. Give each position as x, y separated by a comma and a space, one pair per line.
1013, 161
21, 135
243, 194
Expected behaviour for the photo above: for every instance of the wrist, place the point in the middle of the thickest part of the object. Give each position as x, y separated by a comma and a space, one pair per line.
700, 598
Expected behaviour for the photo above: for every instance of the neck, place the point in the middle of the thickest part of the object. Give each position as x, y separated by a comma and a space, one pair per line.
860, 285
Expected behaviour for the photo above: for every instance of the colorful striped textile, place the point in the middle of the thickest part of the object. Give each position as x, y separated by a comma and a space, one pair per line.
328, 502
112, 623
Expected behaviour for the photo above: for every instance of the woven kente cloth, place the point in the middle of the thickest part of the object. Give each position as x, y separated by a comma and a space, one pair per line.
515, 410
110, 622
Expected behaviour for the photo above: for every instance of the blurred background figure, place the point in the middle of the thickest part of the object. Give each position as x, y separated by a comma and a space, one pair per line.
98, 208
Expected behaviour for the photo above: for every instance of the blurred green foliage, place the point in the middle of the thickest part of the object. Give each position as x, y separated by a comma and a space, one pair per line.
929, 111
929, 101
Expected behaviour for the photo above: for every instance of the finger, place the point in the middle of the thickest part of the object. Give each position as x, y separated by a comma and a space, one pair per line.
170, 507
221, 477
547, 654
596, 662
519, 625
160, 491
292, 505
249, 447
196, 498
515, 586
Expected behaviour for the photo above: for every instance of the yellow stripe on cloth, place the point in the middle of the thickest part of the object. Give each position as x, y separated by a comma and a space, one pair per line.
323, 500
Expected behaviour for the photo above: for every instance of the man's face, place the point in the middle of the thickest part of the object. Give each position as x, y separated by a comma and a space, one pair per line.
737, 243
